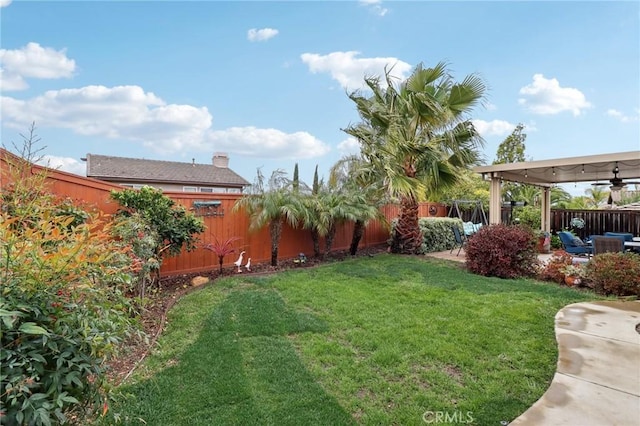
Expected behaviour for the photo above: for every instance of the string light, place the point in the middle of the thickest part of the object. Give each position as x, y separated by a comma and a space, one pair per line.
553, 170
525, 173
582, 169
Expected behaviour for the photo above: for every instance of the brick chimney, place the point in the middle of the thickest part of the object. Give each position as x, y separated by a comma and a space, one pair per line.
221, 159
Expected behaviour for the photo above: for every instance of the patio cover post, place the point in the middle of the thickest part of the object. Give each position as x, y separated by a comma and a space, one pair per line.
495, 206
546, 209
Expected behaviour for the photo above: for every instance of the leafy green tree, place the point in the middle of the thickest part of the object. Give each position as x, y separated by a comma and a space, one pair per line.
470, 186
174, 228
416, 135
512, 150
271, 204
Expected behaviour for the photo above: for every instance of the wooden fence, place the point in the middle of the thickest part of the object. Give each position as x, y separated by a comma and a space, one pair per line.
92, 193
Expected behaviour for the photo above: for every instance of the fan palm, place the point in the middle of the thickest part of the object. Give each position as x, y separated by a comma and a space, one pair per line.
416, 136
271, 205
352, 175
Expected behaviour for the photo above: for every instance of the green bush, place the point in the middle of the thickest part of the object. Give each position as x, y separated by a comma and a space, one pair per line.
614, 273
437, 234
62, 316
528, 216
504, 251
171, 226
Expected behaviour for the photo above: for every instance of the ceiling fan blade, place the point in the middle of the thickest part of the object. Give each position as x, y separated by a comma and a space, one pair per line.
630, 182
600, 183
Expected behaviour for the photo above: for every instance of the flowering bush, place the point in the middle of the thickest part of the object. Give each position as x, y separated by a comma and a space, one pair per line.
553, 270
615, 273
574, 270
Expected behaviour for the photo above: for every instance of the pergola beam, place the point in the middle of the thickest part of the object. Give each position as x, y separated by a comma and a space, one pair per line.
547, 173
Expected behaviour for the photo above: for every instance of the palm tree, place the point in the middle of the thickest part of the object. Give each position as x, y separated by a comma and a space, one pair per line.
416, 136
271, 206
352, 175
596, 196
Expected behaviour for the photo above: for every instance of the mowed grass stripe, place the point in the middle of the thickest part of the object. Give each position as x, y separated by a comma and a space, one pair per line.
370, 341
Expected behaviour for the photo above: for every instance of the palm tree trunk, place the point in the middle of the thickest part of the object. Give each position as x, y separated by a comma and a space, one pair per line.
358, 231
407, 238
275, 229
315, 236
329, 239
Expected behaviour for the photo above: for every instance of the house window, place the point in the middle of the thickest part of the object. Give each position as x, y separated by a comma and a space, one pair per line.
206, 189
234, 190
189, 189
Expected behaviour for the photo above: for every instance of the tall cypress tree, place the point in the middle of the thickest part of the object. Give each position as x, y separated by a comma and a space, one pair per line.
296, 179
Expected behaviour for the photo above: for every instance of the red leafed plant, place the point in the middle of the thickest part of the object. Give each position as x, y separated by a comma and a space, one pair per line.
221, 248
504, 251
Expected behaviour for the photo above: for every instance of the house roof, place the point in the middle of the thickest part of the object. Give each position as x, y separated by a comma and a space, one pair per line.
140, 170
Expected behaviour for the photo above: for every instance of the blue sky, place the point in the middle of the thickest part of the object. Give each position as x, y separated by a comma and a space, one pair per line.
267, 82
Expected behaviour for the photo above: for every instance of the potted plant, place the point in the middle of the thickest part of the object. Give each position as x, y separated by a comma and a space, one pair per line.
544, 242
573, 274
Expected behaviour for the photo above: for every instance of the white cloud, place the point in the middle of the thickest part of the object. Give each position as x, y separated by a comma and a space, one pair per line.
263, 34
491, 107
622, 117
350, 71
122, 112
267, 143
5, 3
349, 146
33, 61
493, 127
375, 6
66, 164
545, 96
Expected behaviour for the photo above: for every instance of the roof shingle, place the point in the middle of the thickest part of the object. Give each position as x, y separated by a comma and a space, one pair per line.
136, 169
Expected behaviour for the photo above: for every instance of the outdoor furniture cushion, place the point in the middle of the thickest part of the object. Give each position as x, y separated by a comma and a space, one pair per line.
573, 244
625, 235
577, 241
603, 244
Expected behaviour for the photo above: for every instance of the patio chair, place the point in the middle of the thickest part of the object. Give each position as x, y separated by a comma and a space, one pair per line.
602, 244
460, 238
574, 245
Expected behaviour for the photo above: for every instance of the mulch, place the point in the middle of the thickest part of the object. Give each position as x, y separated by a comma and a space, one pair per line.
171, 289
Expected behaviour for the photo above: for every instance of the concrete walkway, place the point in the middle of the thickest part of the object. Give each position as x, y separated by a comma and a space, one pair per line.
597, 379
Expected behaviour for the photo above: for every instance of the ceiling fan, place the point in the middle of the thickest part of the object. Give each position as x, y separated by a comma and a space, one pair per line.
616, 183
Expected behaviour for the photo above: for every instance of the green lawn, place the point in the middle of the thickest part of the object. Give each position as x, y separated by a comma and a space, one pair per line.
367, 341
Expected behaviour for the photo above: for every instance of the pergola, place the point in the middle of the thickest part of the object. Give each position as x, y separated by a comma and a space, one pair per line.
547, 173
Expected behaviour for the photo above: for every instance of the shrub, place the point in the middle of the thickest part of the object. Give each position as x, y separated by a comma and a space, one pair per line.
436, 233
615, 273
528, 216
553, 269
172, 226
503, 251
61, 315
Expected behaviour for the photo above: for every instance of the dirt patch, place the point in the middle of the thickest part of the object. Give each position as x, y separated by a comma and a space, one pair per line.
172, 288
